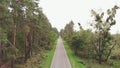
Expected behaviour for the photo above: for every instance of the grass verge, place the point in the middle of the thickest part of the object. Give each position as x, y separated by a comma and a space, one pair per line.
74, 60
46, 62
90, 63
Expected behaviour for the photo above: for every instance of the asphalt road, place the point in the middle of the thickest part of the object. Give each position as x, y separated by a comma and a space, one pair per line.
60, 59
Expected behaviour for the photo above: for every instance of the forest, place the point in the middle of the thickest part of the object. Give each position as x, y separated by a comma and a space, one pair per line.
24, 31
95, 45
26, 36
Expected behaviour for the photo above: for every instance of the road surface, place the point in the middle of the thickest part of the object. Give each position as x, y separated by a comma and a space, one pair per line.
60, 59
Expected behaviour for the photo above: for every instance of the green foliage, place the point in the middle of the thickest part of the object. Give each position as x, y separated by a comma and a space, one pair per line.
82, 43
74, 60
24, 29
96, 45
48, 57
77, 44
103, 42
3, 36
68, 31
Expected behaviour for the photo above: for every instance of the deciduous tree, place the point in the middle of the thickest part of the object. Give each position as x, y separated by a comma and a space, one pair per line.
104, 43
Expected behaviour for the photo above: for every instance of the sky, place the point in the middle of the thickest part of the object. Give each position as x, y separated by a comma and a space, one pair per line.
61, 12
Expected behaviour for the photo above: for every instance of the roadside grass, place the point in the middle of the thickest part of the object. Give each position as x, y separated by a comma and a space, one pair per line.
90, 63
112, 63
48, 56
116, 52
74, 60
116, 63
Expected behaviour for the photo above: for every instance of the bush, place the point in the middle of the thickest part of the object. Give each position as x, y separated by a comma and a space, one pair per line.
77, 44
81, 43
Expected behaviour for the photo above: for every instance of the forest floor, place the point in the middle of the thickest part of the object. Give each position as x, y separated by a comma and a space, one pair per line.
40, 59
33, 62
90, 63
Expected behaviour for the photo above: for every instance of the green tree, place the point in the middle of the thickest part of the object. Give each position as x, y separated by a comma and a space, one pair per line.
4, 27
103, 40
82, 42
77, 44
68, 31
24, 30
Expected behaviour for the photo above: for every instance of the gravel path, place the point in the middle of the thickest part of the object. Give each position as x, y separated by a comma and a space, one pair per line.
60, 59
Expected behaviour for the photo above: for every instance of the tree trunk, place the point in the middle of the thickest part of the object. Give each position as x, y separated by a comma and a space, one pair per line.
28, 46
31, 41
25, 36
12, 62
100, 59
76, 52
14, 44
14, 35
109, 53
0, 54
